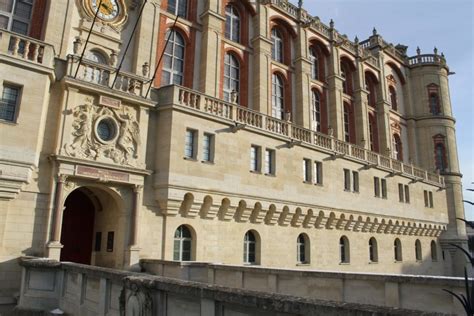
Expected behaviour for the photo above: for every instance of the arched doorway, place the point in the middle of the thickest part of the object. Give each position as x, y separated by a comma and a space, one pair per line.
94, 227
77, 228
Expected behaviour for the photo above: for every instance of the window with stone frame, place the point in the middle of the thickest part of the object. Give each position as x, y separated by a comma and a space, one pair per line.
182, 247
440, 157
15, 15
232, 23
178, 7
173, 59
231, 78
10, 102
433, 99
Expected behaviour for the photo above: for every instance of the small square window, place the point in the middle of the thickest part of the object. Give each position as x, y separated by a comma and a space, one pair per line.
318, 172
255, 158
208, 148
9, 102
269, 161
307, 170
190, 144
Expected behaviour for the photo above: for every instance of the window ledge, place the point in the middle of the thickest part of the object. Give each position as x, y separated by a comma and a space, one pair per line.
318, 184
207, 162
303, 264
270, 175
307, 182
373, 262
251, 264
190, 158
344, 263
8, 122
398, 261
255, 171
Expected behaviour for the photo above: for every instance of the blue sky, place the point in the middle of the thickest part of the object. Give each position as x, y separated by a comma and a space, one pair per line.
446, 24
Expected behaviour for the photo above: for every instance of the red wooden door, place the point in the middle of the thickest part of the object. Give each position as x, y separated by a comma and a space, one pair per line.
77, 228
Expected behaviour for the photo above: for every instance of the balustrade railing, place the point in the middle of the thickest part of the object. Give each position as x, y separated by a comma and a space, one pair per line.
426, 59
26, 48
105, 75
232, 112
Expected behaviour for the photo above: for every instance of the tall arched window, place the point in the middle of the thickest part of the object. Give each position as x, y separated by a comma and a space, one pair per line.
173, 59
232, 23
344, 250
393, 98
434, 251
302, 249
373, 250
182, 244
348, 137
314, 57
278, 108
231, 77
418, 254
397, 249
397, 147
373, 133
435, 108
250, 248
440, 157
277, 45
346, 74
316, 111
370, 86
178, 7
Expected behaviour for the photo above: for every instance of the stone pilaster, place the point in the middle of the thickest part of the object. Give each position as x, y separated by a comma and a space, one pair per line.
335, 104
360, 107
302, 113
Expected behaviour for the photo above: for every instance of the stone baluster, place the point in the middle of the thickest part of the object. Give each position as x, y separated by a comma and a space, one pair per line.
16, 46
26, 52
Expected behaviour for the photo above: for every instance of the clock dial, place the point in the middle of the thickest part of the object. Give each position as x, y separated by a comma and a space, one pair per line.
109, 9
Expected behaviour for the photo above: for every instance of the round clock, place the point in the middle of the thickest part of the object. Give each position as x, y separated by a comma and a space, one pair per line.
108, 11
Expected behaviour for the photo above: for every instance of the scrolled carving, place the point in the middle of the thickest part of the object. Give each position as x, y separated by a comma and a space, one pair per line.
101, 132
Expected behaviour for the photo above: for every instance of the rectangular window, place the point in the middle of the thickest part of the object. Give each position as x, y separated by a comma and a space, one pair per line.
407, 194
431, 199
15, 15
307, 170
9, 102
355, 181
384, 188
255, 158
401, 195
269, 161
376, 187
347, 180
208, 148
318, 172
425, 195
98, 241
110, 241
190, 144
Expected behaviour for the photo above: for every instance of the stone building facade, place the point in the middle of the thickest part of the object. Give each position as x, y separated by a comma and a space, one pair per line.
240, 132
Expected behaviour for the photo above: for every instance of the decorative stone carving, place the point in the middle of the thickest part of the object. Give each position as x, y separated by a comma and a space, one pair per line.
135, 300
104, 133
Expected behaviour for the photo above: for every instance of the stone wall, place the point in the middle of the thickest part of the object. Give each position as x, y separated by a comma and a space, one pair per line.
85, 290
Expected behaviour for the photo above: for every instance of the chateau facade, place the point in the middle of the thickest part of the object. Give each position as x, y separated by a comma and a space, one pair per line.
241, 132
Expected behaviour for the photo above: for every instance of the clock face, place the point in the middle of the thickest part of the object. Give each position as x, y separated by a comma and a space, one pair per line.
109, 9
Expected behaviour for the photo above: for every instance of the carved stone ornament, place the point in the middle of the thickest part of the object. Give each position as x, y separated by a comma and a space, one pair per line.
135, 300
104, 133
111, 12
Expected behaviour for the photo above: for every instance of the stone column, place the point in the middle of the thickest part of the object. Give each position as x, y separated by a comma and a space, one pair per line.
361, 115
133, 252
54, 245
302, 111
211, 52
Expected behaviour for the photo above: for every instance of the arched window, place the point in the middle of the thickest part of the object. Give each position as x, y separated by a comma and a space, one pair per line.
348, 137
277, 45
302, 249
418, 254
231, 77
397, 249
316, 111
277, 96
173, 59
250, 248
314, 57
232, 23
344, 250
393, 97
346, 74
397, 147
178, 7
373, 133
96, 57
435, 108
440, 157
93, 74
182, 244
434, 251
370, 86
373, 250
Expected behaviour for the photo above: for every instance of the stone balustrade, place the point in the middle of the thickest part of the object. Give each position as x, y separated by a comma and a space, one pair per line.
426, 59
26, 48
80, 290
423, 293
104, 75
235, 114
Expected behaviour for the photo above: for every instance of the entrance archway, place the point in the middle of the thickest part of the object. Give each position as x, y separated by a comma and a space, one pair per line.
94, 227
77, 228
